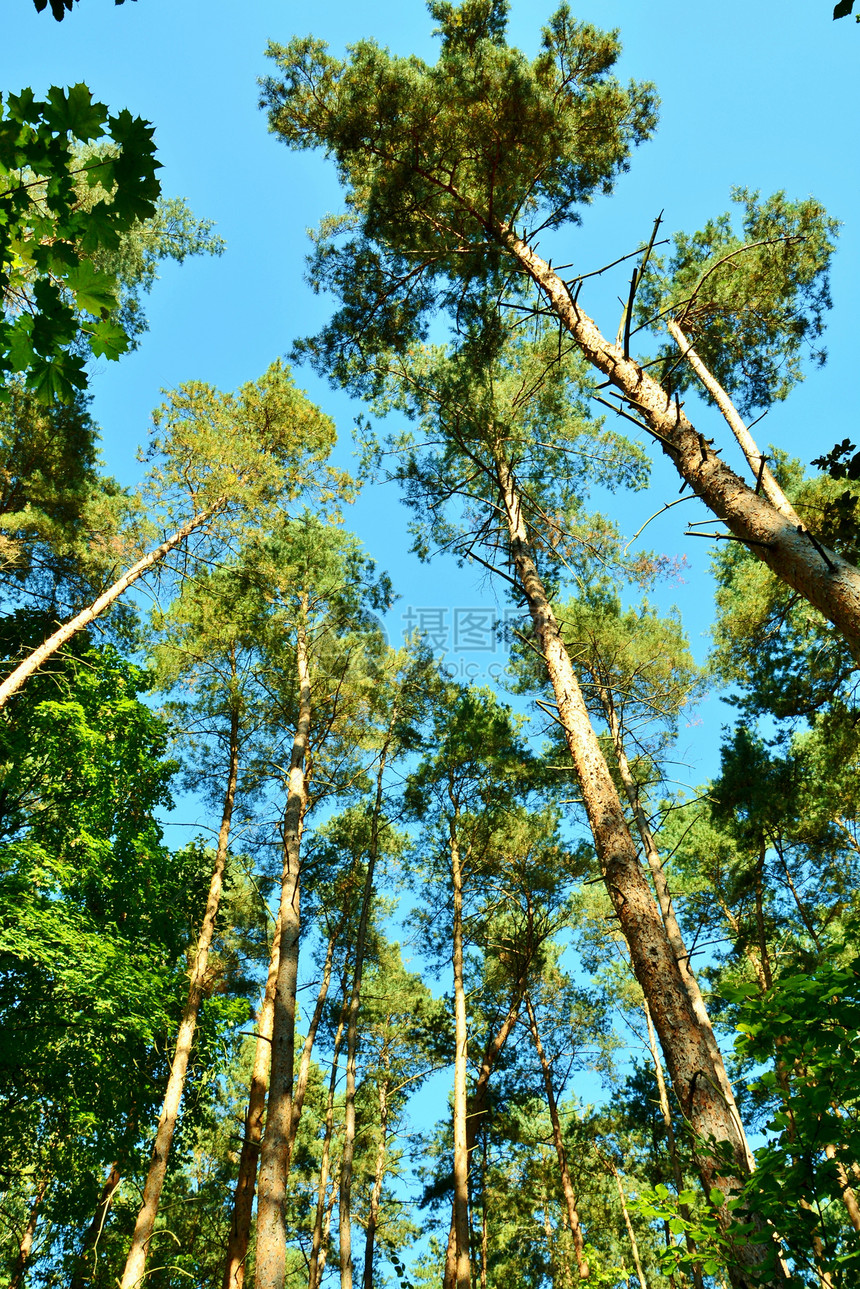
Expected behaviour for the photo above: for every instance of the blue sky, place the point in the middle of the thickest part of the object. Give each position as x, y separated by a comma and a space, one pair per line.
760, 94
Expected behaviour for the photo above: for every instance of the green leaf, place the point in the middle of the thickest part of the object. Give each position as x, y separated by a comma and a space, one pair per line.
75, 113
108, 340
94, 289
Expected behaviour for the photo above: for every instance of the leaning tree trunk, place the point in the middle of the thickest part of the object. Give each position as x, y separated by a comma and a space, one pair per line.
25, 1244
33, 661
345, 1203
458, 1273
829, 582
631, 1234
687, 1050
274, 1155
666, 1112
95, 1228
561, 1154
664, 900
246, 1180
135, 1266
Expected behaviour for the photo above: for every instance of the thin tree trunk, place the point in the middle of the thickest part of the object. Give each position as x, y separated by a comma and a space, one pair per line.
33, 661
326, 1231
666, 1112
687, 1050
246, 1180
755, 460
458, 1274
631, 1234
307, 1049
274, 1153
96, 1226
829, 582
485, 1232
667, 911
135, 1266
317, 1258
345, 1204
566, 1183
376, 1192
25, 1246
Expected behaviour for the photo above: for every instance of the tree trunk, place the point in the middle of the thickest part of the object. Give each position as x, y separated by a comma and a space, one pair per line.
829, 582
307, 1049
755, 460
458, 1274
631, 1234
376, 1192
274, 1154
317, 1258
246, 1181
848, 1194
667, 911
33, 661
687, 1051
345, 1204
25, 1246
135, 1266
95, 1228
566, 1183
666, 1112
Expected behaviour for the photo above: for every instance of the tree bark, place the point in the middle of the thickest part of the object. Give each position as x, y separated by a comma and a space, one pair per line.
317, 1258
829, 582
246, 1180
274, 1154
376, 1192
687, 1051
667, 911
33, 661
458, 1274
25, 1245
566, 1183
307, 1049
345, 1203
849, 1196
631, 1234
135, 1266
755, 460
96, 1226
666, 1112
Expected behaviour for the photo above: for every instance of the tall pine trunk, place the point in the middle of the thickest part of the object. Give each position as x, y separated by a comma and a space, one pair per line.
561, 1154
274, 1154
378, 1179
687, 1050
89, 1244
671, 1143
307, 1049
135, 1266
317, 1258
246, 1180
458, 1274
33, 661
664, 900
345, 1204
25, 1244
830, 583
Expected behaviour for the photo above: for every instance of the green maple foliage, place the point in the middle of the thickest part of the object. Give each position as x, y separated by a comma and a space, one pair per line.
50, 235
